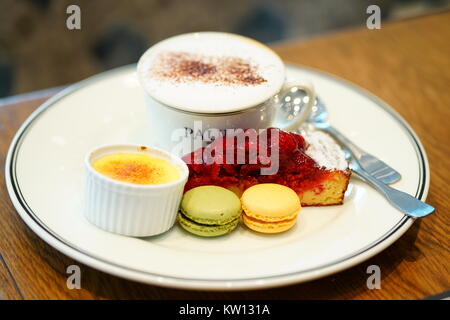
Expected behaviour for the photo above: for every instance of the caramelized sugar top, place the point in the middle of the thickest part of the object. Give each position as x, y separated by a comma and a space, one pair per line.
136, 168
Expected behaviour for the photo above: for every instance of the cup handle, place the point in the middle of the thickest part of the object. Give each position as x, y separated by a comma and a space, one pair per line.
294, 105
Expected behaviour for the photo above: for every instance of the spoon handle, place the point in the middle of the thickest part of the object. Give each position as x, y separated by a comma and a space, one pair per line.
368, 162
404, 202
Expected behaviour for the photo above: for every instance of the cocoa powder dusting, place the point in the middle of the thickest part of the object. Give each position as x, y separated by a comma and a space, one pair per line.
184, 66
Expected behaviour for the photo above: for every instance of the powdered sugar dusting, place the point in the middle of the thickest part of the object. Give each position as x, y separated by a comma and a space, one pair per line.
325, 151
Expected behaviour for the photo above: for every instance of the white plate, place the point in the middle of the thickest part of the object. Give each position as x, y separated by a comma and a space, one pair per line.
44, 174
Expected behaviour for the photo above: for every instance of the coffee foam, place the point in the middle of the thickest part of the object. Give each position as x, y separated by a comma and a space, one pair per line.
211, 72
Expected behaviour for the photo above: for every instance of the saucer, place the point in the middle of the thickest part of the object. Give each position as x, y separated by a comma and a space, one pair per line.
45, 180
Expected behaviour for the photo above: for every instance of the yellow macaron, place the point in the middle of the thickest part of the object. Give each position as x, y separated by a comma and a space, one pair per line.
270, 207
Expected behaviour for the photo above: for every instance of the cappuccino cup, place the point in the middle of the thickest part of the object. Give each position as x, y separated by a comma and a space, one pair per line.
198, 82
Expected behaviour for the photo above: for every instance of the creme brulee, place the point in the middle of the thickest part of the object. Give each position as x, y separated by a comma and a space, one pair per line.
136, 168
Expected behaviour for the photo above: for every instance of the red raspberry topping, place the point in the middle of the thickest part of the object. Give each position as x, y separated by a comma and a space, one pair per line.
296, 169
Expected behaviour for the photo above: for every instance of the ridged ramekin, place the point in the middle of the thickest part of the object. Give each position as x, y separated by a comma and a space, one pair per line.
132, 209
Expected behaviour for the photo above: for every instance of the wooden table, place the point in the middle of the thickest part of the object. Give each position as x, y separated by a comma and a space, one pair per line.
406, 63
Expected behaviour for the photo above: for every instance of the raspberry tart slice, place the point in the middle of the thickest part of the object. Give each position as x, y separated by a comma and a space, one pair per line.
313, 165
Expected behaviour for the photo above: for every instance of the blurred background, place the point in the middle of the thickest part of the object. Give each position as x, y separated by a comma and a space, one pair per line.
37, 51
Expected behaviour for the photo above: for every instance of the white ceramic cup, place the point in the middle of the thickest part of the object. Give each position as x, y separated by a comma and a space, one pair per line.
173, 128
132, 209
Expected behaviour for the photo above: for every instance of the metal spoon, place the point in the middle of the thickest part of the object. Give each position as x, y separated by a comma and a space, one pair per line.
402, 201
357, 158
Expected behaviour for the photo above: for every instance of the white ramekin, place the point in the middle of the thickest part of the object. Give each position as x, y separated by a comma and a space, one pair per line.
132, 209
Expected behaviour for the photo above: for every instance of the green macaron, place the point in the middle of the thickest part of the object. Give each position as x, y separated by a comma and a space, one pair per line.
209, 211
